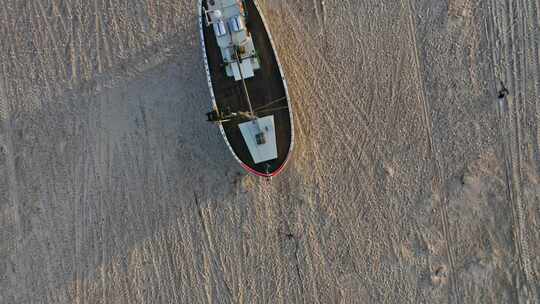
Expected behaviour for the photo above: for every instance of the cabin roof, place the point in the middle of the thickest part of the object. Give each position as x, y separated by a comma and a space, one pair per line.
260, 138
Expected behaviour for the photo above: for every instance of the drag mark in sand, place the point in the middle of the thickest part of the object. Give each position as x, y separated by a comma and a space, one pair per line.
438, 185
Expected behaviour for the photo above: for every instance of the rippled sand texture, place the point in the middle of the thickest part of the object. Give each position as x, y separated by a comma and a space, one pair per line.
411, 181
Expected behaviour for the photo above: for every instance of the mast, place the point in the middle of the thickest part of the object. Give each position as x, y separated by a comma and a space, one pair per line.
239, 61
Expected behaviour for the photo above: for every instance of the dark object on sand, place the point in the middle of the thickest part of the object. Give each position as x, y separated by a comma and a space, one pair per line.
502, 92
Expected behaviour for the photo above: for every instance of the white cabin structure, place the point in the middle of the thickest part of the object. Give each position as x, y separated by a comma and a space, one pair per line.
227, 18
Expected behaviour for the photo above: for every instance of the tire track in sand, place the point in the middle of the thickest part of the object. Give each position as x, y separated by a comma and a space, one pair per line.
453, 288
511, 66
316, 62
43, 21
517, 114
320, 13
320, 63
13, 185
533, 22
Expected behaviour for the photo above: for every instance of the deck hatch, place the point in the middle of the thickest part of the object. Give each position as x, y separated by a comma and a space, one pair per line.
236, 24
219, 28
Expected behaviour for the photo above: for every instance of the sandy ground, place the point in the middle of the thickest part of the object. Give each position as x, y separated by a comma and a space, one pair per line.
411, 181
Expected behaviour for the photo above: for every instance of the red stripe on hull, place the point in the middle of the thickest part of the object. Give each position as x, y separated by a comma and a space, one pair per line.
273, 174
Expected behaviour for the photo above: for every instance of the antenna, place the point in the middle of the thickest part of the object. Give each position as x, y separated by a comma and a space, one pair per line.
269, 177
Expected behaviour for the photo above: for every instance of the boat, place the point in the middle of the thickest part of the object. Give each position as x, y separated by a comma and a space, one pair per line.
248, 90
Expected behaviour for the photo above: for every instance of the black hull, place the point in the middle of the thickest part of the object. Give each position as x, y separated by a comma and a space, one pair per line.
267, 91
